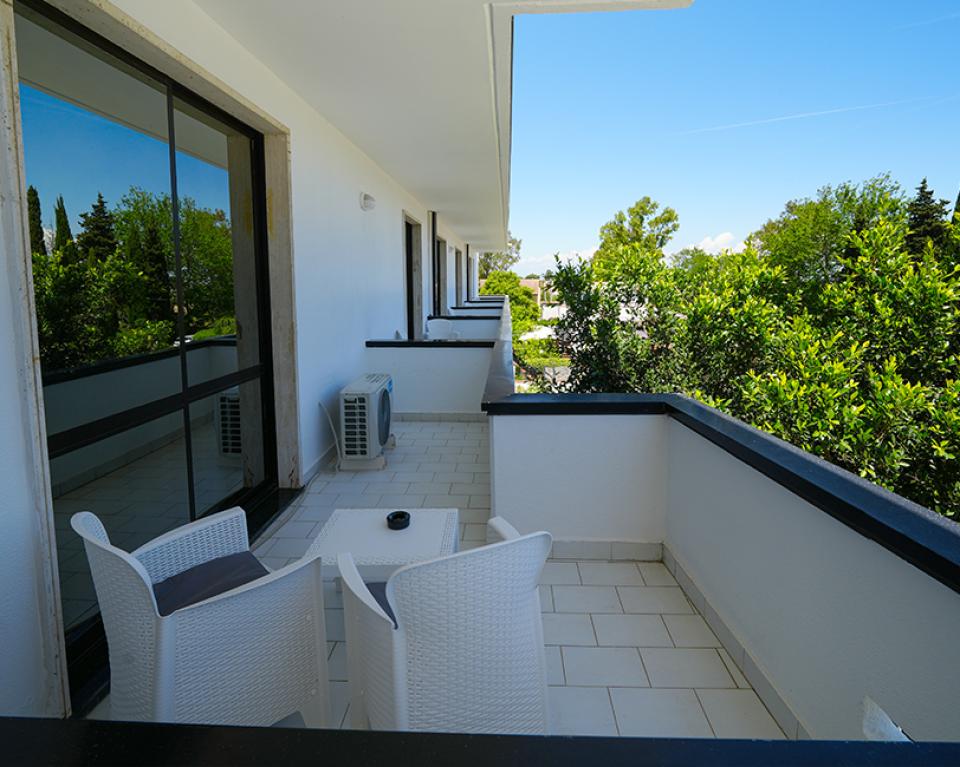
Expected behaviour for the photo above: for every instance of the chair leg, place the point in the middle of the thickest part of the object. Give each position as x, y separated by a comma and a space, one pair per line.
316, 713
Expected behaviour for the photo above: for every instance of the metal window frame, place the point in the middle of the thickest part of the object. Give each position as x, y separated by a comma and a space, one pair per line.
86, 643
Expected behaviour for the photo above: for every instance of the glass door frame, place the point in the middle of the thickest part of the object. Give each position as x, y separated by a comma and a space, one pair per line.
86, 644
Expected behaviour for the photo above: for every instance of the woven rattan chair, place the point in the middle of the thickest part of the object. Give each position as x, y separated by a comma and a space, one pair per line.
463, 649
251, 655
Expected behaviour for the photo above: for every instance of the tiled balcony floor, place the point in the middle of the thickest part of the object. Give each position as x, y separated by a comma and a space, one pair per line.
627, 652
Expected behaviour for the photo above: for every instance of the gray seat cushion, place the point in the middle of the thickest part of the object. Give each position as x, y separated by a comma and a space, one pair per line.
207, 580
378, 590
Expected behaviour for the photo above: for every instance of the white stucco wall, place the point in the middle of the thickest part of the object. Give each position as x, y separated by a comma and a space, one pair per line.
348, 263
429, 380
581, 477
477, 330
828, 615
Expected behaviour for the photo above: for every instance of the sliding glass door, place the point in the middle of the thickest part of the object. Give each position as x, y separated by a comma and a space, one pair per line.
150, 287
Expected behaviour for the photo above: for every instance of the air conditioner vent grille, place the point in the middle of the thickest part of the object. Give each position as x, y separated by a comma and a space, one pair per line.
364, 413
228, 423
354, 426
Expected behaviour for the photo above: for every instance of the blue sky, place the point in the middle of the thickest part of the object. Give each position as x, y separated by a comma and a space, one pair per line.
76, 153
609, 107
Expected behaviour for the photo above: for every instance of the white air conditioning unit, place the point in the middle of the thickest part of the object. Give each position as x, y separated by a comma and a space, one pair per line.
365, 407
226, 416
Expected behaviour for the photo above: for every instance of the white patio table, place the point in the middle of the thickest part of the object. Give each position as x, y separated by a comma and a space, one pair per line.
378, 550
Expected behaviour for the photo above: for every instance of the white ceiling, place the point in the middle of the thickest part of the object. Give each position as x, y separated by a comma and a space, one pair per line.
421, 86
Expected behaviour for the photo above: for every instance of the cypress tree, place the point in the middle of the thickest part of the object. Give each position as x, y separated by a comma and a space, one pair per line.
37, 245
956, 207
62, 234
98, 240
927, 220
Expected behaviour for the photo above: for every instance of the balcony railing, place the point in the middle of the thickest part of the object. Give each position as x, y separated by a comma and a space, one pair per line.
448, 378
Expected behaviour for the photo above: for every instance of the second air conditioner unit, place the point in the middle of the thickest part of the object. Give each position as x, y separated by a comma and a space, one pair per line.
365, 411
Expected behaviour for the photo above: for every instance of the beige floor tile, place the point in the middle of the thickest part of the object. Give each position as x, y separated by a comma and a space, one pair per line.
603, 667
554, 667
631, 631
654, 599
683, 667
739, 714
585, 599
568, 629
580, 711
690, 631
546, 599
659, 713
560, 573
609, 574
656, 574
733, 669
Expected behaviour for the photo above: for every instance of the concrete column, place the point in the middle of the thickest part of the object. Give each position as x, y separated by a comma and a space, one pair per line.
32, 663
283, 307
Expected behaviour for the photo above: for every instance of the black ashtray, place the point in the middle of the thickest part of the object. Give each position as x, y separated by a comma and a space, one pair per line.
398, 520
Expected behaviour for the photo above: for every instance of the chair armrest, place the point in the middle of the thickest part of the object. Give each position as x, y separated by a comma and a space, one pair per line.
351, 579
498, 529
209, 538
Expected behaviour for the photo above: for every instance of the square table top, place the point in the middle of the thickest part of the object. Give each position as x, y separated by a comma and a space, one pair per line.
364, 533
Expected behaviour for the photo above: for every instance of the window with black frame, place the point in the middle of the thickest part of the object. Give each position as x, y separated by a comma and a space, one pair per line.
145, 207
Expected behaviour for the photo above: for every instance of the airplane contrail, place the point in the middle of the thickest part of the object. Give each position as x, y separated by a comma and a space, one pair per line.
801, 116
928, 22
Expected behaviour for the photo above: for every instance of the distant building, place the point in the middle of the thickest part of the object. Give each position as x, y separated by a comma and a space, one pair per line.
541, 291
535, 286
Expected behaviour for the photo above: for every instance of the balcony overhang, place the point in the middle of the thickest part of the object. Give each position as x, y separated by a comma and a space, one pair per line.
423, 87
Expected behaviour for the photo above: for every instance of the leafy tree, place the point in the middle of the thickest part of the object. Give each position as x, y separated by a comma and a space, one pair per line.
37, 243
119, 299
927, 220
642, 225
532, 276
811, 237
97, 240
146, 335
152, 261
524, 311
499, 261
827, 330
206, 252
60, 297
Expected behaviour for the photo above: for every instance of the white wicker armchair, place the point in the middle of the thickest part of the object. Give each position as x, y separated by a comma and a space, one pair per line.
466, 652
252, 655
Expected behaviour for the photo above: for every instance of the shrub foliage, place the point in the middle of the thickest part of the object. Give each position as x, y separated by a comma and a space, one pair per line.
836, 328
